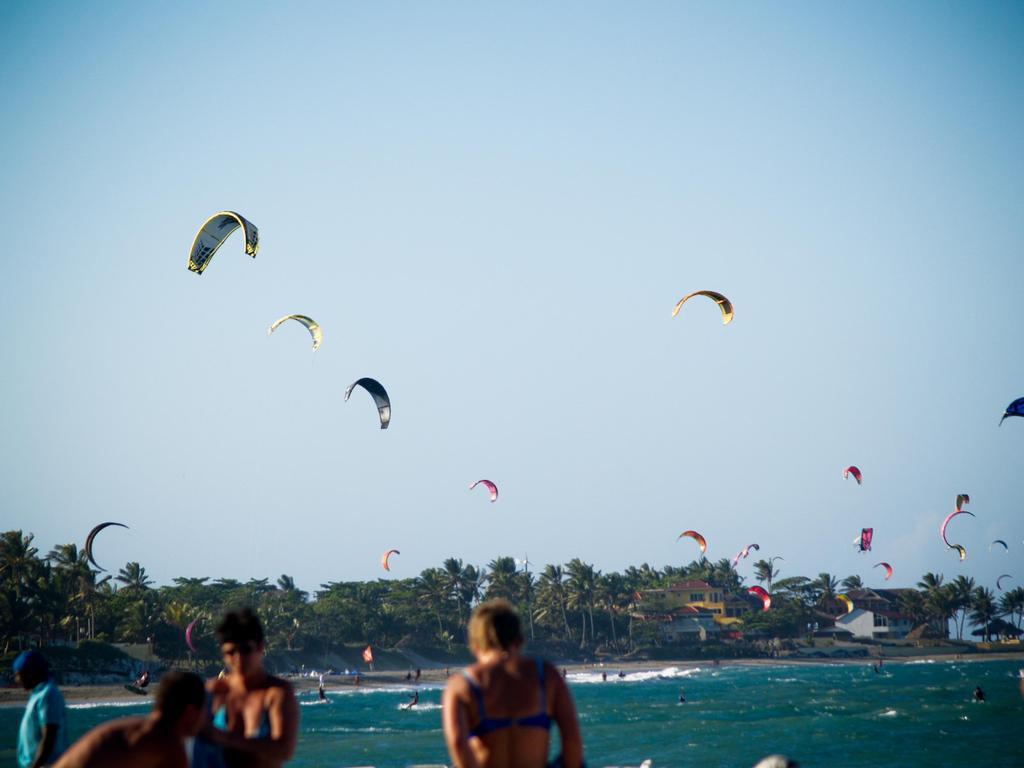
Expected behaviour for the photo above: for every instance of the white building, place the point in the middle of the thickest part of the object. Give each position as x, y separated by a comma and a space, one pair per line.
878, 625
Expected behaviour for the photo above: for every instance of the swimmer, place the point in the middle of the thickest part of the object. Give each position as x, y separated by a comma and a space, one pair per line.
682, 696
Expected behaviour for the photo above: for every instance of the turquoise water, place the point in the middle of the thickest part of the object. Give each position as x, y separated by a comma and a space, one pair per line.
914, 714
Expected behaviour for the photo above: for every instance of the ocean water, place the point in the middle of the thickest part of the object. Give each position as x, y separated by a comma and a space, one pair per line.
912, 714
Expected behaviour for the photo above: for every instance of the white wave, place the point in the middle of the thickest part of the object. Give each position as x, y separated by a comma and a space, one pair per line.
421, 707
668, 673
922, 661
101, 704
889, 713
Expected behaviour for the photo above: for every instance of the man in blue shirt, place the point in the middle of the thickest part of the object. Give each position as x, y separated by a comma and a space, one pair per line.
43, 736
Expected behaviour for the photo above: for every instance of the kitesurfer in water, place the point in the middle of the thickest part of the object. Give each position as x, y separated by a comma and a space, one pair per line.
979, 695
413, 700
500, 710
682, 696
255, 714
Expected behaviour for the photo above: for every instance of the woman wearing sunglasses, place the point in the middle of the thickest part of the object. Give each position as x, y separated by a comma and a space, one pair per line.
255, 719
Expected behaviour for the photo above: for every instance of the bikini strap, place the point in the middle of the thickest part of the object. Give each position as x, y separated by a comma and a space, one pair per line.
478, 694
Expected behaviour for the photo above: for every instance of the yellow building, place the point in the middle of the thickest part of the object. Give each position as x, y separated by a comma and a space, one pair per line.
692, 594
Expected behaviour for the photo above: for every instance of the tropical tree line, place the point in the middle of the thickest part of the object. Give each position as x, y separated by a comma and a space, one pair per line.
60, 597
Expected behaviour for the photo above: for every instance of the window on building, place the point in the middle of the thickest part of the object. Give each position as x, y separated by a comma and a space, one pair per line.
881, 621
696, 597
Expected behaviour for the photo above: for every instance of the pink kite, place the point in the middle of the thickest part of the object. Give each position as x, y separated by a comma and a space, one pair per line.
490, 486
852, 470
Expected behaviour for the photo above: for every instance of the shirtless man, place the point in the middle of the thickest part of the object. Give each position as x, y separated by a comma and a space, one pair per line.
498, 714
153, 741
255, 715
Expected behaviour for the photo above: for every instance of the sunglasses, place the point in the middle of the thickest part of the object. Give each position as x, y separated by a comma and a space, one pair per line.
240, 650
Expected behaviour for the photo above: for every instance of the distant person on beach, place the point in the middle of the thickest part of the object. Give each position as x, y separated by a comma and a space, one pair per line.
979, 695
418, 673
156, 740
500, 710
255, 715
43, 735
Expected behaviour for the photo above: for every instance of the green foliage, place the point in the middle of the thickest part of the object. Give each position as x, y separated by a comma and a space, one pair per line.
566, 608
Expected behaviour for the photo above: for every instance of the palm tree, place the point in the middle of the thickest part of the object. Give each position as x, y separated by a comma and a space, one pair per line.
501, 578
552, 598
911, 604
1012, 604
432, 590
983, 609
582, 587
765, 572
826, 587
852, 582
134, 577
962, 588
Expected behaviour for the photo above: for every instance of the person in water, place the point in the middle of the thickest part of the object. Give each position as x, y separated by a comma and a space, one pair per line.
143, 679
979, 695
156, 740
498, 713
255, 715
413, 700
43, 735
682, 696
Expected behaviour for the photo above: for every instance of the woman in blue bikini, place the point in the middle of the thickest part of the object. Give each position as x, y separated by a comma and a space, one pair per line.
498, 714
255, 715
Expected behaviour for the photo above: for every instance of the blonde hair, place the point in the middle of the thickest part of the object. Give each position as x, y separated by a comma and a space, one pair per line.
494, 625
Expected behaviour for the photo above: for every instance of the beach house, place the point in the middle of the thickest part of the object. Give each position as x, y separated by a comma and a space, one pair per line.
875, 615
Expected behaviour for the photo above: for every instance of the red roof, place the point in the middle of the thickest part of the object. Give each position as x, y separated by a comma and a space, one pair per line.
691, 585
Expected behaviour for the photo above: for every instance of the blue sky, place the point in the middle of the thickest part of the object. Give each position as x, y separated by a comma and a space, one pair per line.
492, 209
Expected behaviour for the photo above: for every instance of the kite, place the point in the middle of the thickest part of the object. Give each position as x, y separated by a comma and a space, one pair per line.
761, 592
311, 325
962, 551
379, 395
723, 304
188, 634
846, 601
91, 537
696, 537
999, 541
386, 556
490, 486
999, 584
744, 553
950, 516
961, 499
1016, 408
864, 540
214, 232
888, 569
852, 470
